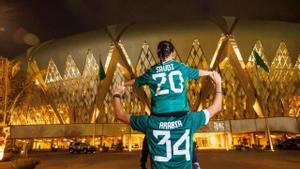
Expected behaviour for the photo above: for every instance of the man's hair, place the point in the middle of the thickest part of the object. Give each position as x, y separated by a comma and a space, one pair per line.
164, 49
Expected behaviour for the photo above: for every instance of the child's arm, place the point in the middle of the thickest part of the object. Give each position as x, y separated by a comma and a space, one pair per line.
204, 72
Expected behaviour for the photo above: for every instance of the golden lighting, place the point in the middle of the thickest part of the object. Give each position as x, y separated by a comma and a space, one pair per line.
74, 93
213, 140
257, 109
2, 152
221, 41
36, 82
108, 57
237, 52
126, 55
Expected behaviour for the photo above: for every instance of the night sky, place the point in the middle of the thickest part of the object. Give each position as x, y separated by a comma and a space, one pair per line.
52, 19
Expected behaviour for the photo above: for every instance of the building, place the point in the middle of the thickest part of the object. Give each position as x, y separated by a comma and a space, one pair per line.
57, 95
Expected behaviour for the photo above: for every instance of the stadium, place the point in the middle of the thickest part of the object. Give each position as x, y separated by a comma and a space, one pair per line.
68, 100
60, 90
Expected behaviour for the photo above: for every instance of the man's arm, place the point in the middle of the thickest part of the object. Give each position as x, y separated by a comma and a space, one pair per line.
118, 110
217, 104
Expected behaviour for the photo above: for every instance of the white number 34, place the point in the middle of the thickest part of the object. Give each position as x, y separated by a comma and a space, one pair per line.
166, 140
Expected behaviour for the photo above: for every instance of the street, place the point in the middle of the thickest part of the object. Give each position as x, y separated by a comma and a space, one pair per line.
209, 159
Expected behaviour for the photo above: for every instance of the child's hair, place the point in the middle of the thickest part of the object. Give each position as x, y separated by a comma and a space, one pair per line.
164, 49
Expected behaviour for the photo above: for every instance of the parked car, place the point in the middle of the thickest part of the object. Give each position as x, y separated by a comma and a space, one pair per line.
291, 144
117, 147
13, 149
81, 147
242, 147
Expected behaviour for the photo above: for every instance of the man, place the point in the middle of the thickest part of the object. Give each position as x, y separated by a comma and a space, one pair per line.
167, 82
169, 138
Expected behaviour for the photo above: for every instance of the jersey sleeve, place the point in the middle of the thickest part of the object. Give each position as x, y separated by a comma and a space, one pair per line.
143, 79
139, 123
199, 119
191, 73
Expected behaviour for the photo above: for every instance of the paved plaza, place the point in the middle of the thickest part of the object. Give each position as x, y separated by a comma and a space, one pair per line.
208, 160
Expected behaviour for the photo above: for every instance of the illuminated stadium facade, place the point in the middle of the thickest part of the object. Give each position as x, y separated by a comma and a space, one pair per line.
57, 95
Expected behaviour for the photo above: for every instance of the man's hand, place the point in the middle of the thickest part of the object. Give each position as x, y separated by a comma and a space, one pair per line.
118, 110
215, 76
119, 89
217, 103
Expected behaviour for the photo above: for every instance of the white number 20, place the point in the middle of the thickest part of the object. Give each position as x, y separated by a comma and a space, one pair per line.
166, 140
171, 81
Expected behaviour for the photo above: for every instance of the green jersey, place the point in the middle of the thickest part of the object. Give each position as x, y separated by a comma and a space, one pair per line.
170, 139
167, 83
